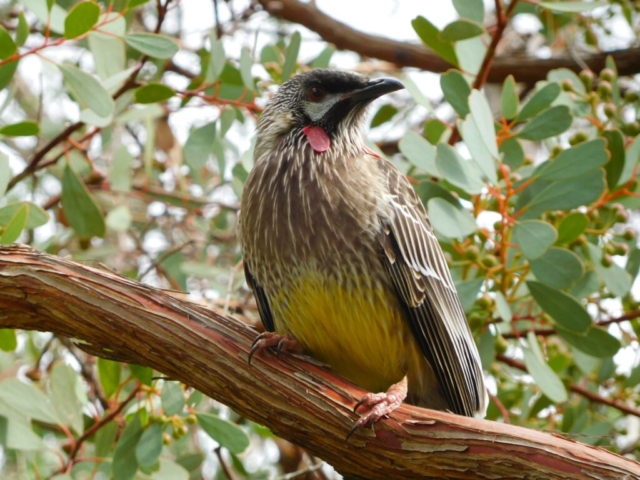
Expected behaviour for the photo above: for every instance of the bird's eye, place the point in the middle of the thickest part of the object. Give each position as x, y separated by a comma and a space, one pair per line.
316, 93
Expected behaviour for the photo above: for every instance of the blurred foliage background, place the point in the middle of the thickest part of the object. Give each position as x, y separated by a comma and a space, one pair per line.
125, 139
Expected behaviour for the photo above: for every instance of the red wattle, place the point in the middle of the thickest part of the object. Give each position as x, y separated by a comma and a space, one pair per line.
318, 138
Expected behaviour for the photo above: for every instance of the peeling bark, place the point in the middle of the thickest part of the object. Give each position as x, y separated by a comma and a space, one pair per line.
298, 400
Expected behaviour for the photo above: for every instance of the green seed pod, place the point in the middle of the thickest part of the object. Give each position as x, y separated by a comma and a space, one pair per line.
629, 234
587, 77
607, 75
610, 110
501, 344
472, 252
604, 89
489, 261
567, 85
631, 97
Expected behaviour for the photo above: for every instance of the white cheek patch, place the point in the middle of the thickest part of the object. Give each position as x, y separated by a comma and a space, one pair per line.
317, 110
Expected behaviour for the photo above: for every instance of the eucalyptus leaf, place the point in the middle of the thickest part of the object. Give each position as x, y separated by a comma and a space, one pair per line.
534, 237
456, 91
291, 58
82, 210
152, 44
563, 308
419, 152
558, 268
545, 377
575, 161
509, 101
468, 292
172, 398
461, 30
81, 19
572, 227
87, 90
456, 170
227, 434
430, 35
595, 342
550, 123
541, 100
449, 221
199, 145
616, 163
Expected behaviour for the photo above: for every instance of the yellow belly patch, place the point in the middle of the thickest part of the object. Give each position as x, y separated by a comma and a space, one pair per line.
359, 331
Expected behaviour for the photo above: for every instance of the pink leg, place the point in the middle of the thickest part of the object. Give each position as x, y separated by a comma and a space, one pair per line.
380, 404
272, 339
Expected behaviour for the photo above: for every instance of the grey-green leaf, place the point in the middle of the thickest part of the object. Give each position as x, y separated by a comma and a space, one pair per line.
28, 400
456, 91
125, 463
509, 101
199, 145
64, 398
458, 171
550, 123
595, 342
87, 90
461, 30
449, 221
36, 215
575, 161
82, 210
419, 152
80, 19
153, 92
616, 278
616, 164
563, 308
558, 268
246, 63
292, 56
471, 9
540, 101
227, 434
153, 44
572, 227
568, 194
468, 292
172, 398
149, 446
430, 35
546, 379
534, 237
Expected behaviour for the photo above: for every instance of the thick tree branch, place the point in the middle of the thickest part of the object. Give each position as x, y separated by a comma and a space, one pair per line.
524, 68
297, 399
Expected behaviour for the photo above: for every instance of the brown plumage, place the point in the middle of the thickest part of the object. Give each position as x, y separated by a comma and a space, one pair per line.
342, 258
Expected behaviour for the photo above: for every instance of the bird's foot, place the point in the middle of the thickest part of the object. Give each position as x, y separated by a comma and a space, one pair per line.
379, 404
272, 339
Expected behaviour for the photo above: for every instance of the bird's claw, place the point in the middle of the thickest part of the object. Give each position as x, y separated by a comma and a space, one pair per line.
379, 404
271, 339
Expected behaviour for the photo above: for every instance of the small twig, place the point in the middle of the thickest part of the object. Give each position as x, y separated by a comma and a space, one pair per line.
98, 425
309, 469
594, 397
223, 465
161, 258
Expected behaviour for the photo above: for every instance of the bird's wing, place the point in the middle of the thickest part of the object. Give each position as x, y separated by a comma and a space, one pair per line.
418, 270
261, 300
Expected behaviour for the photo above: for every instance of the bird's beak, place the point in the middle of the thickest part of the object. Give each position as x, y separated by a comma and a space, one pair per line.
375, 88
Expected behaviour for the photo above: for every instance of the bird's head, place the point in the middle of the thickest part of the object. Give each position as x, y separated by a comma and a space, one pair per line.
321, 107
